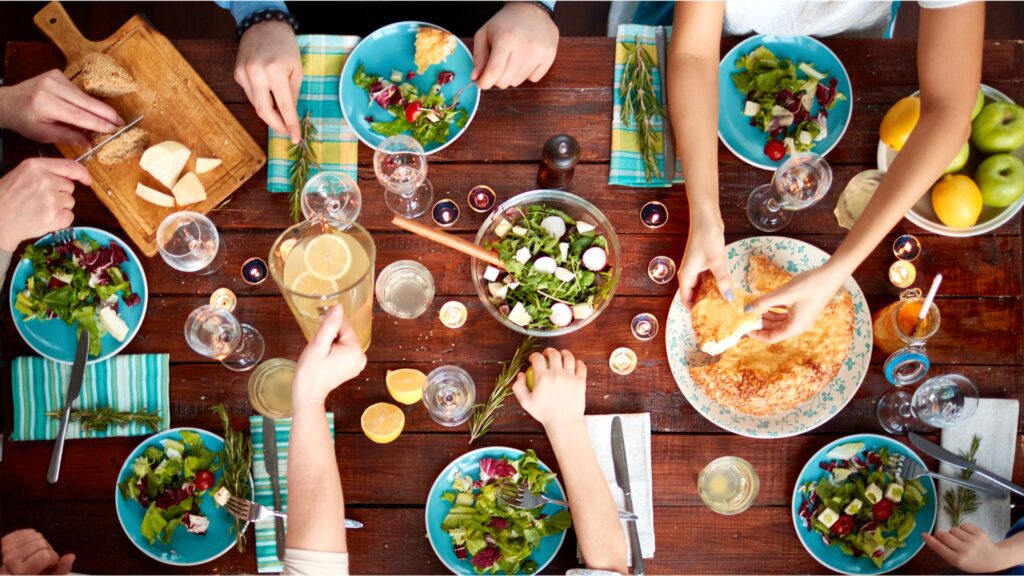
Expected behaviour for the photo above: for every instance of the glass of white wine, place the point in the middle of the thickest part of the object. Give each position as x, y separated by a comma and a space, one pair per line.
216, 333
801, 181
728, 485
400, 165
189, 242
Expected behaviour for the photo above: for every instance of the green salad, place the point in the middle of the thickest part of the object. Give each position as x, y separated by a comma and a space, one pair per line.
493, 536
859, 506
556, 269
424, 116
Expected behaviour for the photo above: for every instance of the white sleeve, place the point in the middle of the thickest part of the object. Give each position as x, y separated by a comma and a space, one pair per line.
311, 562
936, 4
590, 572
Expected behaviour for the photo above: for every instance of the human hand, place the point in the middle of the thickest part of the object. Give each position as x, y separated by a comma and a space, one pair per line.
803, 298
331, 358
269, 70
50, 109
517, 44
969, 548
559, 393
37, 198
27, 552
705, 250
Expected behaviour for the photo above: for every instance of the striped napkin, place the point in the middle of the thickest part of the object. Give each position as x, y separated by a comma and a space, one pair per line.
266, 545
322, 60
627, 169
126, 383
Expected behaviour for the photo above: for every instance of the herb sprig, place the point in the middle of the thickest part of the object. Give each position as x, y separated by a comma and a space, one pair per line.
303, 158
640, 104
103, 418
483, 414
237, 460
960, 502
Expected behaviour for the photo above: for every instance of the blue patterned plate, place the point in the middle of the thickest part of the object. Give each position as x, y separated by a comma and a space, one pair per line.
794, 257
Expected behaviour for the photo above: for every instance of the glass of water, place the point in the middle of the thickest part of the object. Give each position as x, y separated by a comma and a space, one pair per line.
215, 333
940, 402
332, 195
189, 242
401, 168
449, 395
728, 485
800, 182
405, 289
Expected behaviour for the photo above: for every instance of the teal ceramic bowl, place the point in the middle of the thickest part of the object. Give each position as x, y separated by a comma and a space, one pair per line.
393, 48
734, 129
833, 558
56, 340
469, 465
185, 548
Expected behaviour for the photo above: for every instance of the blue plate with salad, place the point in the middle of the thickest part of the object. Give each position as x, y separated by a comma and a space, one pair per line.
402, 79
96, 283
473, 533
853, 515
779, 95
165, 498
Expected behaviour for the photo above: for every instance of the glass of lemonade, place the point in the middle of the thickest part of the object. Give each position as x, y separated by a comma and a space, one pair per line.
322, 262
270, 388
728, 485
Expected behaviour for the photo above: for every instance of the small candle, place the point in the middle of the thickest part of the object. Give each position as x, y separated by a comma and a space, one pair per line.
654, 214
661, 269
481, 198
254, 271
453, 314
907, 247
223, 298
902, 274
445, 212
644, 326
622, 361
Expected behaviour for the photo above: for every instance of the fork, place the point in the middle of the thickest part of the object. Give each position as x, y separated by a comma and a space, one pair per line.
455, 99
518, 496
249, 511
910, 469
63, 236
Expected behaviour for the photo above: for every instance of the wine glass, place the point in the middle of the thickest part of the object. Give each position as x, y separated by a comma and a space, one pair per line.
941, 402
798, 183
449, 395
401, 168
189, 242
215, 333
332, 195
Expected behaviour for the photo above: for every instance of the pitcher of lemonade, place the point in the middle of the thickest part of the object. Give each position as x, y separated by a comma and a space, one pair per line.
898, 333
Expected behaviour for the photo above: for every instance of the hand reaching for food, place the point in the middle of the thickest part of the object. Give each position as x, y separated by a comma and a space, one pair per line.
269, 70
37, 196
50, 109
705, 250
517, 44
801, 301
559, 388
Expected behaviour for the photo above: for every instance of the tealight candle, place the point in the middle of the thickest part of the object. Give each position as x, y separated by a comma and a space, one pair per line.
644, 326
445, 212
654, 214
661, 269
453, 314
254, 271
481, 198
223, 298
622, 361
907, 247
902, 274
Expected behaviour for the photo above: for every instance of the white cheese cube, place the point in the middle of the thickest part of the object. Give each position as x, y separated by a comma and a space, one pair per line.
853, 507
828, 517
873, 493
894, 492
519, 316
491, 274
520, 231
523, 255
805, 137
222, 496
502, 228
582, 311
114, 324
497, 289
751, 108
563, 251
583, 227
564, 275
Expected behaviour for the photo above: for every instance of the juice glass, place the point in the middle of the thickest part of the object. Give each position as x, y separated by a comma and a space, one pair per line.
322, 262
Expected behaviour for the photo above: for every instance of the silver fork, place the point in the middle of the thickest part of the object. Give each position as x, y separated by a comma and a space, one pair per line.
455, 99
63, 236
909, 469
518, 496
249, 511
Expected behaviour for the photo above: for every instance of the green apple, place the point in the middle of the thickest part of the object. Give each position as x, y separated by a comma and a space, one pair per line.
978, 104
998, 128
960, 160
1001, 180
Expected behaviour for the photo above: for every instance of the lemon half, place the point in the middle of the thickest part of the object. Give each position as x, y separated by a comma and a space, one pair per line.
406, 385
382, 422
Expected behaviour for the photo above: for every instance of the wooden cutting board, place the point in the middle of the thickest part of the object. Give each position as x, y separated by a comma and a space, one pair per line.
178, 105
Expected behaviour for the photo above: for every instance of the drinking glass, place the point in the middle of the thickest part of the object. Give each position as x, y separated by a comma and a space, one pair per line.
405, 289
798, 183
270, 388
941, 402
401, 168
728, 485
332, 195
449, 395
215, 333
189, 242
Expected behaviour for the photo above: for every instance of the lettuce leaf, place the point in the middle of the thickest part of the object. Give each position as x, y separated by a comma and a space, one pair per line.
153, 524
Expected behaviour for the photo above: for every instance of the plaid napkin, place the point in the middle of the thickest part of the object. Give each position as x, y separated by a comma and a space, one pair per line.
126, 383
322, 60
266, 545
627, 169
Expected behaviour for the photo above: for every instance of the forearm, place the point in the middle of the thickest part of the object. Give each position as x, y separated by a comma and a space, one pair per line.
6, 109
594, 515
316, 507
693, 107
1011, 551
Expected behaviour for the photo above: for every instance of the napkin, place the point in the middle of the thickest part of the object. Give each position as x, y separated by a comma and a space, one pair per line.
266, 544
636, 430
322, 60
126, 383
996, 423
627, 169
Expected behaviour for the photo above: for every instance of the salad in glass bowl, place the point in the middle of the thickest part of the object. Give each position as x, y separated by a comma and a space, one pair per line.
560, 257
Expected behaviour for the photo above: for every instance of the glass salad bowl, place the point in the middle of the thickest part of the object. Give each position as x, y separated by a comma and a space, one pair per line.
558, 277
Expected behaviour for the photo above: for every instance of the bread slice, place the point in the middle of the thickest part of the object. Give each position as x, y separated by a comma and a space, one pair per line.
102, 77
125, 147
433, 46
717, 323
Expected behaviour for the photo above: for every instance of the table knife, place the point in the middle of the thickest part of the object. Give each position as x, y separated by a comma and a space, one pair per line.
669, 148
270, 461
89, 153
622, 479
74, 389
939, 453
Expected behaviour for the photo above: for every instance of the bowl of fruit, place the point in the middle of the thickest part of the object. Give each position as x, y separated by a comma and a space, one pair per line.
560, 258
983, 187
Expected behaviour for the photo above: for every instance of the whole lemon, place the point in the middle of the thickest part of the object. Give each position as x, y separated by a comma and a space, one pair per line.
957, 201
899, 122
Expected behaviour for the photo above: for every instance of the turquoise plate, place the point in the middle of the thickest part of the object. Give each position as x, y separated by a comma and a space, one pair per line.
185, 548
734, 129
393, 48
469, 465
833, 558
56, 340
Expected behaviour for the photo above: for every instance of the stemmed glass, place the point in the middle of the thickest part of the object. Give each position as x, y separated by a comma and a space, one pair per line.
215, 333
189, 242
332, 195
798, 183
941, 402
401, 168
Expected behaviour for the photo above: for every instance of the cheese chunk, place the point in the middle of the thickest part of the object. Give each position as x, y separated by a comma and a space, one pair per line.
828, 517
154, 196
204, 165
165, 161
114, 324
189, 190
873, 493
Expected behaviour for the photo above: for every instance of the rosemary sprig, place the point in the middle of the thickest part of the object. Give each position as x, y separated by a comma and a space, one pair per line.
960, 502
102, 418
483, 414
303, 158
640, 104
237, 461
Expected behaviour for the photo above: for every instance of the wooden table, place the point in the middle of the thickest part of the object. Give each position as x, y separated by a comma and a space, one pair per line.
386, 486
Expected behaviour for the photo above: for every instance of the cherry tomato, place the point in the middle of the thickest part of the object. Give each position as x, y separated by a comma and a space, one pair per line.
843, 526
412, 111
882, 510
204, 479
775, 150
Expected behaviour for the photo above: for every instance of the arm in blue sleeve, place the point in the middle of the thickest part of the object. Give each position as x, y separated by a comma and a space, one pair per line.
241, 9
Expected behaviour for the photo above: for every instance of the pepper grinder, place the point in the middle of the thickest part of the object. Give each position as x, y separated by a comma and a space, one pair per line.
560, 156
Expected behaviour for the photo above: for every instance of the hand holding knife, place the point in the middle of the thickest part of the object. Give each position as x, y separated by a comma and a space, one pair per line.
91, 151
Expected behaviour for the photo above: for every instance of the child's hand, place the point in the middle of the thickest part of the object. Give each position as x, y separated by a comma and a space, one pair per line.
559, 390
969, 548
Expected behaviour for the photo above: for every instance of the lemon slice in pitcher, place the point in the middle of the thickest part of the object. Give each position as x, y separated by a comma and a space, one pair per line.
327, 257
309, 285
